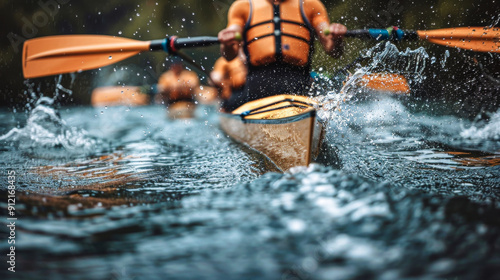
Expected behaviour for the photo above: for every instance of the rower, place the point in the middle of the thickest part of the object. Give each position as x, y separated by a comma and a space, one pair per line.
177, 84
278, 39
230, 78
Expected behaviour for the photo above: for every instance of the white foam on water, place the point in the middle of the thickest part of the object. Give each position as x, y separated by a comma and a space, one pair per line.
384, 58
45, 129
488, 131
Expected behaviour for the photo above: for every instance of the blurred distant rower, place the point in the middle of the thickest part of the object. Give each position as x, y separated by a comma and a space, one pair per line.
230, 77
278, 40
177, 84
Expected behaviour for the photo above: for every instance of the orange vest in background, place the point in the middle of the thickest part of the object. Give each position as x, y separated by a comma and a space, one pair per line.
234, 74
237, 73
178, 87
278, 33
234, 70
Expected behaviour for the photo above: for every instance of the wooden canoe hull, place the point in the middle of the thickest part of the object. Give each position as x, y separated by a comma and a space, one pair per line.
288, 136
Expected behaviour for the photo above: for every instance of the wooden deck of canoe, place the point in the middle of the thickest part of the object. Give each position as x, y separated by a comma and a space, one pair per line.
284, 128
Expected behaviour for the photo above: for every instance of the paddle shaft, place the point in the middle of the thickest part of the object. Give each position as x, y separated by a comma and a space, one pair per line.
382, 34
480, 39
174, 44
193, 62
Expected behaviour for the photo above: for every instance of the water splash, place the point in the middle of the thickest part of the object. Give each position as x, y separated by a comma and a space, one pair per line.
386, 58
45, 129
488, 131
60, 88
495, 21
383, 58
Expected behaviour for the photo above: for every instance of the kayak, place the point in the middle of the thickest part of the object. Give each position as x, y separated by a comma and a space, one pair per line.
119, 96
283, 128
389, 83
141, 95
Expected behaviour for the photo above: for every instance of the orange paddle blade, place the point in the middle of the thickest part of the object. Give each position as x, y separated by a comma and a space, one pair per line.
119, 96
386, 82
73, 53
482, 39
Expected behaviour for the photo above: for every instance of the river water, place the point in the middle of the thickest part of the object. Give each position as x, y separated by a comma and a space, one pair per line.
125, 193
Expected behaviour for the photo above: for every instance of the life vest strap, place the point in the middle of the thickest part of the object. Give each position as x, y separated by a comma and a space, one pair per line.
282, 34
280, 20
294, 22
260, 23
277, 33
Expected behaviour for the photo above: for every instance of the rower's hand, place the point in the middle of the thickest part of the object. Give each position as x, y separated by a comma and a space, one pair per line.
229, 37
332, 39
337, 30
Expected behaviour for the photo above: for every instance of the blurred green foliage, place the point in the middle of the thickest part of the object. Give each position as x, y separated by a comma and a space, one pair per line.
150, 19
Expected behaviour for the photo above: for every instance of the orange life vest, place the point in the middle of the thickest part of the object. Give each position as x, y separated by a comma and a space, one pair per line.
234, 74
278, 33
178, 87
237, 73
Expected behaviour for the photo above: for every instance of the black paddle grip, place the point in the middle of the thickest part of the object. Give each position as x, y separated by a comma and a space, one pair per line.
174, 44
358, 33
193, 42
